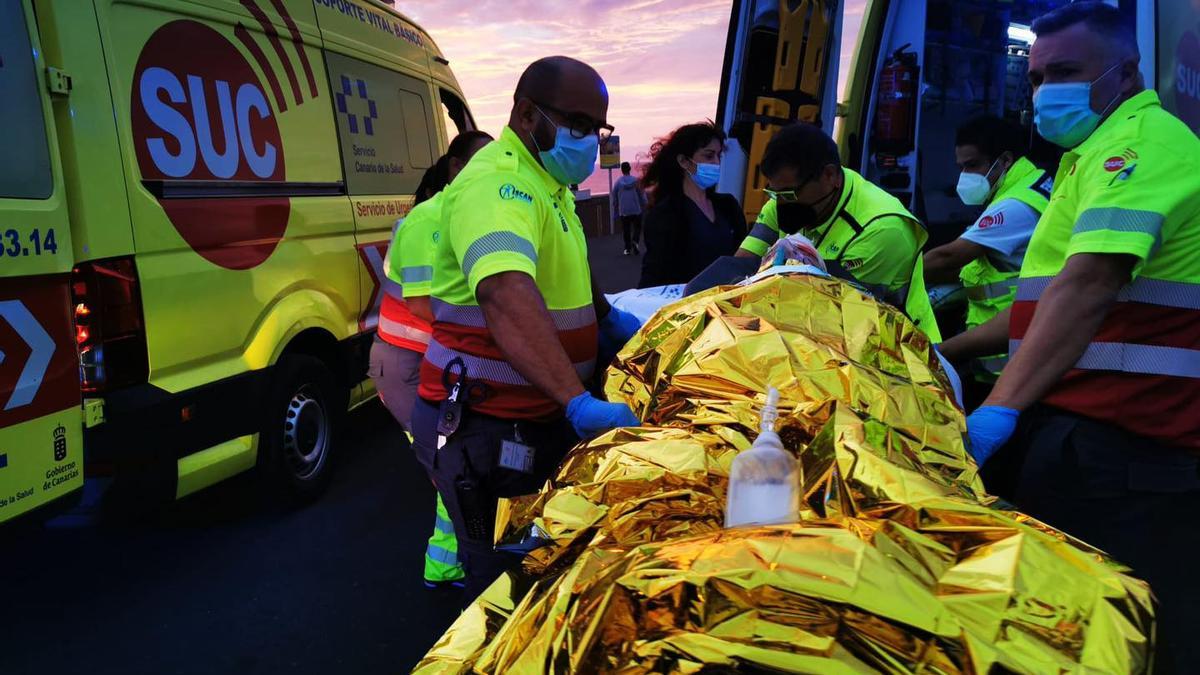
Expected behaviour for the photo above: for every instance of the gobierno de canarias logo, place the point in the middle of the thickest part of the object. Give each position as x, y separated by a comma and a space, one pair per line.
201, 115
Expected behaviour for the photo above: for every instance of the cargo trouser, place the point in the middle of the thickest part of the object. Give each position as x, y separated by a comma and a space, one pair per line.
467, 474
396, 372
1130, 496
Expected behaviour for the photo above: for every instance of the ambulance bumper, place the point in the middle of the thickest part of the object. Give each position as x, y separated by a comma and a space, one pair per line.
146, 425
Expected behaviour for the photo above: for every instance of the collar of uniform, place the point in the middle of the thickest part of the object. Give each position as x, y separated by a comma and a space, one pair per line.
1018, 171
513, 143
843, 200
1135, 104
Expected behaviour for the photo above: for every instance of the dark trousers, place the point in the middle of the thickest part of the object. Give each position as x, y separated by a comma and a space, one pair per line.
1130, 496
631, 227
468, 477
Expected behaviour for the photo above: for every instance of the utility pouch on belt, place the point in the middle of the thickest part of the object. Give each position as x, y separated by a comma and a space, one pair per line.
462, 393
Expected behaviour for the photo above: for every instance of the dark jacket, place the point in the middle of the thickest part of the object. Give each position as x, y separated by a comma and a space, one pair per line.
670, 255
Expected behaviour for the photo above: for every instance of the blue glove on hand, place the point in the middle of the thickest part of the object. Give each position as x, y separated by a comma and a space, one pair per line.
616, 328
989, 428
591, 416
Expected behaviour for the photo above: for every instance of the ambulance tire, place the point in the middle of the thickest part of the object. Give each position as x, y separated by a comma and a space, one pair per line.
304, 412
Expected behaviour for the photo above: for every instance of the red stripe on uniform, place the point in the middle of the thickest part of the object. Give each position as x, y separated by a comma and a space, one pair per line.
1160, 407
579, 343
505, 401
398, 311
1130, 322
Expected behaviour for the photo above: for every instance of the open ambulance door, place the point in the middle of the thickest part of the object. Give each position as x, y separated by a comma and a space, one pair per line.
780, 66
41, 420
920, 70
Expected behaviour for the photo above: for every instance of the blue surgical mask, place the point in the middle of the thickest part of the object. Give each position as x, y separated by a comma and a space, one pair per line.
706, 175
571, 160
1063, 112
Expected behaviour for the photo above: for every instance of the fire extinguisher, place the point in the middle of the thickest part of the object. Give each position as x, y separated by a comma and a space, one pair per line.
896, 111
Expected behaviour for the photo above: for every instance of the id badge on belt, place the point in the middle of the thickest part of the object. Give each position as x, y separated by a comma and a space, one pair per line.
515, 455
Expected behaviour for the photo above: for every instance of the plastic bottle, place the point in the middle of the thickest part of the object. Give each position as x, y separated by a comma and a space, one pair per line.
764, 483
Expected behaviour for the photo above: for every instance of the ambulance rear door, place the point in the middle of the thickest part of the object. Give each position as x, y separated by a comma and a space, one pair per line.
781, 65
41, 453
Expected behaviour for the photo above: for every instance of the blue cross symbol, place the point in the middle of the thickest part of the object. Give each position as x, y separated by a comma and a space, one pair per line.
351, 118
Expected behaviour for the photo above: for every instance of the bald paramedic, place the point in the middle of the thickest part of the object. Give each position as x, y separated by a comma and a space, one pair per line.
517, 327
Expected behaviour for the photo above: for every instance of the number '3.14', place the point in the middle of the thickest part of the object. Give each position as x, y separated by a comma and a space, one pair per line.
39, 243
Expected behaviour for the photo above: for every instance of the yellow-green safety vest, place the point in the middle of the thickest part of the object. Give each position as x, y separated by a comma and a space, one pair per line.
989, 290
864, 208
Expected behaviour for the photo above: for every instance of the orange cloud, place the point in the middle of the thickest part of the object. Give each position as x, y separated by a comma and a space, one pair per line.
661, 59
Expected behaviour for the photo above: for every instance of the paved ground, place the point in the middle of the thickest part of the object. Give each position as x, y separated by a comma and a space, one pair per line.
223, 582
614, 272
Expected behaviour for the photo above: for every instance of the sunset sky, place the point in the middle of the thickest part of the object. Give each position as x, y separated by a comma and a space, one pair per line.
661, 58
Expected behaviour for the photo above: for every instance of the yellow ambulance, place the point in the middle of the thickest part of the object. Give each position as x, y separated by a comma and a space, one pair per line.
195, 201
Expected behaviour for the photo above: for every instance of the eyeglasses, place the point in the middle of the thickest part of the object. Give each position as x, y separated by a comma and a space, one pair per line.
580, 125
789, 195
783, 196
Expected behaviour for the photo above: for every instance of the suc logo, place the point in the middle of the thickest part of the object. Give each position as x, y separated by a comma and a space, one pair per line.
200, 113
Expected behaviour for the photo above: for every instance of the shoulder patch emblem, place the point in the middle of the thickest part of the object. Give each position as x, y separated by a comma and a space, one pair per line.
510, 191
1114, 164
991, 220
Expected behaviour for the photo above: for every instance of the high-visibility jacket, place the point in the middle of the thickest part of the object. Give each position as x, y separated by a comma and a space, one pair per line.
991, 290
409, 274
1132, 188
505, 213
875, 238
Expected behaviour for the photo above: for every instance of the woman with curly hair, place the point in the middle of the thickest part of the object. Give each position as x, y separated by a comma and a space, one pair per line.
689, 224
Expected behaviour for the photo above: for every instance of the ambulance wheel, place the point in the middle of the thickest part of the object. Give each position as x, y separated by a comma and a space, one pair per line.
296, 440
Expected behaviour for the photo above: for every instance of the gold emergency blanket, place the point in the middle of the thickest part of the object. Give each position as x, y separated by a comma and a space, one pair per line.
900, 563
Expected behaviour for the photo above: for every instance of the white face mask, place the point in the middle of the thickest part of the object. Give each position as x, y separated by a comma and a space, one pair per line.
973, 188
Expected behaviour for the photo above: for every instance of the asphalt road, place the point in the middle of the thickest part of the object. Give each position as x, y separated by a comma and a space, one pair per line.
227, 582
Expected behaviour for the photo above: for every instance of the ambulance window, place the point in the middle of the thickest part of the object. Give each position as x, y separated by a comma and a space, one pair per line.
455, 115
25, 171
385, 126
418, 128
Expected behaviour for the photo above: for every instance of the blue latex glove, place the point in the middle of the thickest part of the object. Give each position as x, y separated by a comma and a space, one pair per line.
591, 416
617, 327
615, 330
989, 428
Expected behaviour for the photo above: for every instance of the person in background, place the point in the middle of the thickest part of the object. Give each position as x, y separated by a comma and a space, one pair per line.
689, 224
404, 325
627, 202
517, 322
1104, 335
859, 229
990, 152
